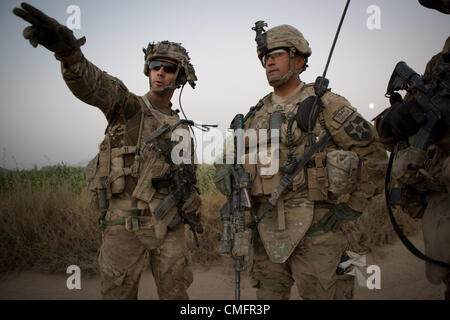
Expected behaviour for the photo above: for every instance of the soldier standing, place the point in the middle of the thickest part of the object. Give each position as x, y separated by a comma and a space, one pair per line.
425, 184
301, 240
130, 176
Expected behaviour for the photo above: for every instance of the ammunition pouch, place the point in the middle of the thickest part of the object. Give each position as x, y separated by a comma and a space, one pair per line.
264, 180
117, 171
317, 177
242, 243
222, 178
92, 184
342, 169
105, 173
406, 164
154, 169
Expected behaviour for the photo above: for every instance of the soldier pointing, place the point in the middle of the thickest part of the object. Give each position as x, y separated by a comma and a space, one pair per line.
131, 179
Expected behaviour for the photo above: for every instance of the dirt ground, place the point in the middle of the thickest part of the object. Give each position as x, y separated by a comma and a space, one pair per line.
402, 277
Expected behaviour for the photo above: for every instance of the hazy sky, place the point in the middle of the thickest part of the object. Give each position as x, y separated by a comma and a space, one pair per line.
42, 123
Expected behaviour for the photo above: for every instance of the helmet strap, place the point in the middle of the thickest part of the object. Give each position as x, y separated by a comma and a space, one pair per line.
284, 79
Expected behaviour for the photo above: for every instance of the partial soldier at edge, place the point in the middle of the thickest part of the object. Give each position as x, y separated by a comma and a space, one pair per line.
420, 175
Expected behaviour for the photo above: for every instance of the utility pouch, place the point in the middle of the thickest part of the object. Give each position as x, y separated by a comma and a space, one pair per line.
118, 171
104, 158
97, 172
317, 177
342, 170
222, 179
406, 164
242, 243
269, 173
117, 185
91, 182
155, 168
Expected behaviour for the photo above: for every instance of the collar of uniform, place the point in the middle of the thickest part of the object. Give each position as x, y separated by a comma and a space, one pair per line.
285, 100
158, 106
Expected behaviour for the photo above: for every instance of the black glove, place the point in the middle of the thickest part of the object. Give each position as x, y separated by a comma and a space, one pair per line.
404, 118
49, 33
338, 214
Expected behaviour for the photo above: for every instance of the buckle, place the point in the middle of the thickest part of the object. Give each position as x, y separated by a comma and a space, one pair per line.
132, 223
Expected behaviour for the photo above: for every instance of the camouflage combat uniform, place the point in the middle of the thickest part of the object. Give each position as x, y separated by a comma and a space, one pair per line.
291, 244
291, 252
131, 176
132, 234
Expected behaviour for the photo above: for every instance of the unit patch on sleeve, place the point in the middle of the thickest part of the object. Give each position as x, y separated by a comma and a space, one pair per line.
358, 129
342, 114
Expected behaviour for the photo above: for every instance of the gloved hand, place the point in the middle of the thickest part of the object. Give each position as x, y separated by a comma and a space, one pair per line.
336, 216
49, 33
404, 118
222, 178
192, 203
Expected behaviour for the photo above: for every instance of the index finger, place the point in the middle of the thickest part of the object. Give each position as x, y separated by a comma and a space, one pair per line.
26, 16
37, 14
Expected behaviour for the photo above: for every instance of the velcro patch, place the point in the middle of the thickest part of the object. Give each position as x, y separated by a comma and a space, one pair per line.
342, 114
358, 129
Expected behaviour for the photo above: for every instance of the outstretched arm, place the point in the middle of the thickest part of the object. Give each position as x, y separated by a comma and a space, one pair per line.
84, 79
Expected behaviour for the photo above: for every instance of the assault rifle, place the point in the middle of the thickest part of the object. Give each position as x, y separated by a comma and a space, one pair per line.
320, 88
233, 212
181, 182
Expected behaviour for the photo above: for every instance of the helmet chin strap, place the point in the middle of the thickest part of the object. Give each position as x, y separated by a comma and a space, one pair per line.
284, 79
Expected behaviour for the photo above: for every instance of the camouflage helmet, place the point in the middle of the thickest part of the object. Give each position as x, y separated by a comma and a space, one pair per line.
175, 51
285, 36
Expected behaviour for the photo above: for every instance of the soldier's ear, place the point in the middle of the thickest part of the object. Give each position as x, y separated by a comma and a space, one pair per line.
299, 62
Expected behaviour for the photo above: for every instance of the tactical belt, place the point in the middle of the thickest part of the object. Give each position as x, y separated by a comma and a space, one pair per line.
132, 223
131, 219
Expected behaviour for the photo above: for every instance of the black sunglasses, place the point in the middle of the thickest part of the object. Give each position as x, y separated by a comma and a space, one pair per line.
168, 67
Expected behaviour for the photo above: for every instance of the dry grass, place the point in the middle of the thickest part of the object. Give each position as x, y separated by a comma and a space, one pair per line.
374, 228
47, 227
46, 222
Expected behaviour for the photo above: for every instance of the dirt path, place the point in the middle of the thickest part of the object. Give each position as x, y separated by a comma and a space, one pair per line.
402, 277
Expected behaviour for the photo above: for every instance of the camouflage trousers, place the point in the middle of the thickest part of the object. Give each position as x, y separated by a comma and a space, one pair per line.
312, 267
436, 234
124, 255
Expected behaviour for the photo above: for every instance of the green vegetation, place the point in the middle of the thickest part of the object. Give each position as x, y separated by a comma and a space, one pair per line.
47, 223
